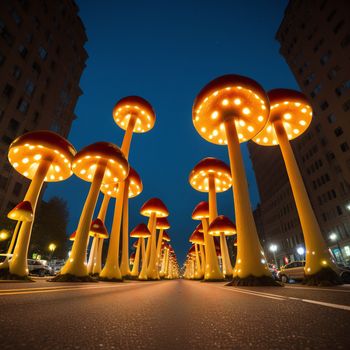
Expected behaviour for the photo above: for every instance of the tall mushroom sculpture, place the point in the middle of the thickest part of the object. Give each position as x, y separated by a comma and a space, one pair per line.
222, 226
211, 175
136, 265
22, 212
101, 162
161, 225
229, 110
290, 116
41, 156
99, 232
197, 239
154, 208
134, 115
141, 232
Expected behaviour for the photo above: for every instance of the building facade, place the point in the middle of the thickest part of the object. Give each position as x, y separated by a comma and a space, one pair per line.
315, 42
42, 57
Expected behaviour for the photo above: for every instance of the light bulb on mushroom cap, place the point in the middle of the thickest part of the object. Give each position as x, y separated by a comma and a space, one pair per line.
140, 231
222, 224
201, 211
211, 166
292, 108
230, 97
154, 205
22, 212
98, 228
28, 150
139, 108
86, 161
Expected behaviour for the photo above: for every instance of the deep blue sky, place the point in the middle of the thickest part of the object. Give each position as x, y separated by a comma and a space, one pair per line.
166, 52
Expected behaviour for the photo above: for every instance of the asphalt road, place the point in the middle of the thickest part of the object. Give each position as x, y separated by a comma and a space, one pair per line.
172, 315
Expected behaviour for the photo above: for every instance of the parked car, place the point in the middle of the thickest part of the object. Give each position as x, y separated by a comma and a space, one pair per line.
292, 271
273, 270
39, 267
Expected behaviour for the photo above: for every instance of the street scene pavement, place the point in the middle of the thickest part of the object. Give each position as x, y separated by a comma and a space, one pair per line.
175, 314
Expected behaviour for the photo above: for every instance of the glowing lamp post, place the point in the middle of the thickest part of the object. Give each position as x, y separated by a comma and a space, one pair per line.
222, 226
101, 162
154, 208
41, 156
212, 176
273, 249
230, 110
141, 232
290, 116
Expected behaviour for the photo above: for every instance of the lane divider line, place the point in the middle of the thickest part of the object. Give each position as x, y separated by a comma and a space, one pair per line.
323, 289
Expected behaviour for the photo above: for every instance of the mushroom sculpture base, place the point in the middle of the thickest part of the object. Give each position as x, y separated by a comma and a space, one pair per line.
324, 277
253, 281
5, 274
67, 277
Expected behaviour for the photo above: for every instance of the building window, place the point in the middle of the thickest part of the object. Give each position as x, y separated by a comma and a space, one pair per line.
330, 156
2, 59
309, 79
55, 126
325, 58
342, 88
29, 88
346, 106
42, 53
316, 91
17, 188
17, 72
324, 105
22, 51
6, 140
8, 91
344, 147
5, 34
16, 17
339, 210
36, 68
331, 15
338, 131
13, 126
23, 106
333, 72
3, 182
42, 99
36, 117
331, 118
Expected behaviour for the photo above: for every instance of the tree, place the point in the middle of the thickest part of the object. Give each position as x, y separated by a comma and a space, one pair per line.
50, 226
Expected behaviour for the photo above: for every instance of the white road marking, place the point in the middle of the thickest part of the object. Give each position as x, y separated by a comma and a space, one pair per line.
64, 288
324, 289
284, 298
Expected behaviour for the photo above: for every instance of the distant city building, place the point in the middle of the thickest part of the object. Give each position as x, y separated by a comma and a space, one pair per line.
315, 42
42, 57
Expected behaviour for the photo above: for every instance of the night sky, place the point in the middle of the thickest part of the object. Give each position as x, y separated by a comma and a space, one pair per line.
166, 52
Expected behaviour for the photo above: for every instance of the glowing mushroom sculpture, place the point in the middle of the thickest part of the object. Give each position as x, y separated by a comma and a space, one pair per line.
161, 225
134, 115
99, 232
136, 264
41, 156
228, 111
154, 208
197, 239
222, 226
22, 212
141, 232
290, 116
211, 175
101, 162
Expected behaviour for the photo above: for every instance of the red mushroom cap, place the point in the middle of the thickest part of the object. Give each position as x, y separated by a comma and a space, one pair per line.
22, 212
140, 231
197, 237
154, 205
72, 236
201, 211
162, 223
222, 224
98, 228
166, 237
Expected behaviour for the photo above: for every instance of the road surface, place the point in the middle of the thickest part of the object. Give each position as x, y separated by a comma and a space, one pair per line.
172, 315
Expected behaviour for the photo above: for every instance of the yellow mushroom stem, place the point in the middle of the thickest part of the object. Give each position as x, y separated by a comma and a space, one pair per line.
97, 265
18, 264
124, 264
226, 261
159, 246
93, 254
203, 263
13, 241
198, 272
166, 264
249, 251
128, 135
162, 270
152, 271
143, 273
317, 254
136, 265
76, 264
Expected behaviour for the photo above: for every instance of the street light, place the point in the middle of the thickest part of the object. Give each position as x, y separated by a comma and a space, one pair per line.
52, 248
4, 234
334, 237
301, 252
273, 248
